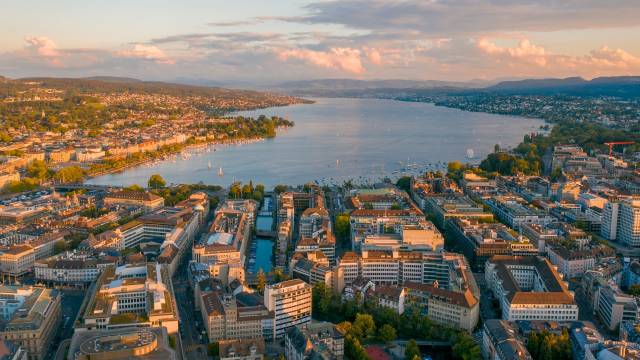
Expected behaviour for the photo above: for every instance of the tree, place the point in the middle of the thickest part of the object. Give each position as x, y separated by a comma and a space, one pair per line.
37, 169
156, 181
387, 333
59, 246
135, 187
213, 349
279, 189
70, 174
634, 290
342, 226
412, 350
235, 190
465, 347
364, 327
262, 281
404, 183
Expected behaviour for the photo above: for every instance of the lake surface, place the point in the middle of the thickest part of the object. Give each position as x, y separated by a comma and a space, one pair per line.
335, 140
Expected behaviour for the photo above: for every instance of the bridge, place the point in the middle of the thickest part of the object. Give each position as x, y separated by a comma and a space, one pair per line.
83, 186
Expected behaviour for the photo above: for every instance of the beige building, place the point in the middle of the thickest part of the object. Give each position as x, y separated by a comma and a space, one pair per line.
145, 199
16, 260
31, 318
225, 318
121, 344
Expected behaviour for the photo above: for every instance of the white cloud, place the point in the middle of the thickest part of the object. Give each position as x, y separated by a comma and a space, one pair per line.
345, 59
146, 52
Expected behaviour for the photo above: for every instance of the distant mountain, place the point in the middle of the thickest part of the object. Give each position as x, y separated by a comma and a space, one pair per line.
353, 84
538, 83
618, 86
117, 79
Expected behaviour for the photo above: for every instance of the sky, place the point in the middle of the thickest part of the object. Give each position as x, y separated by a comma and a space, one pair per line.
272, 41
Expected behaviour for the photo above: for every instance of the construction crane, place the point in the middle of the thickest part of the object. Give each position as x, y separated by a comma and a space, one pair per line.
610, 144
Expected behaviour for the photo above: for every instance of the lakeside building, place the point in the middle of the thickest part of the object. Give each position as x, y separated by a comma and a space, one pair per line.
316, 340
144, 199
121, 344
514, 212
458, 309
530, 288
290, 301
322, 239
131, 296
72, 268
451, 206
229, 317
31, 317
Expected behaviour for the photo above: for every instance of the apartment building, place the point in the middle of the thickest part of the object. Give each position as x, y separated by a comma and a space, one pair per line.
16, 260
514, 212
320, 340
458, 309
530, 288
290, 302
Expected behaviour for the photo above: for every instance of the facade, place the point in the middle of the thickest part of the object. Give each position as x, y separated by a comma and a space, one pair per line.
31, 318
290, 302
530, 288
513, 213
16, 260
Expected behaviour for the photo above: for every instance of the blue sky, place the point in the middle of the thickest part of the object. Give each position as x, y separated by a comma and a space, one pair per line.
280, 40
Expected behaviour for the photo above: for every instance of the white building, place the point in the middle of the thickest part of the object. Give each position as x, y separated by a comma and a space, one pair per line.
530, 288
291, 303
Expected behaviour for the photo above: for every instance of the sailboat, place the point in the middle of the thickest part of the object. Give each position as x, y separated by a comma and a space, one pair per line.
220, 172
209, 165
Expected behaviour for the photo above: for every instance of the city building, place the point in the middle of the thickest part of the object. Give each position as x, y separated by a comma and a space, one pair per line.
241, 349
530, 288
291, 303
500, 342
316, 340
228, 318
145, 199
514, 212
121, 344
72, 268
458, 309
453, 206
131, 296
31, 316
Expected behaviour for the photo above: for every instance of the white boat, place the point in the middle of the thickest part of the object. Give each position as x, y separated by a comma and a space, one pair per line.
209, 165
470, 154
220, 172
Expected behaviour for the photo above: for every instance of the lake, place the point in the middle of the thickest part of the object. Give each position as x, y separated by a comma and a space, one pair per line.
335, 140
